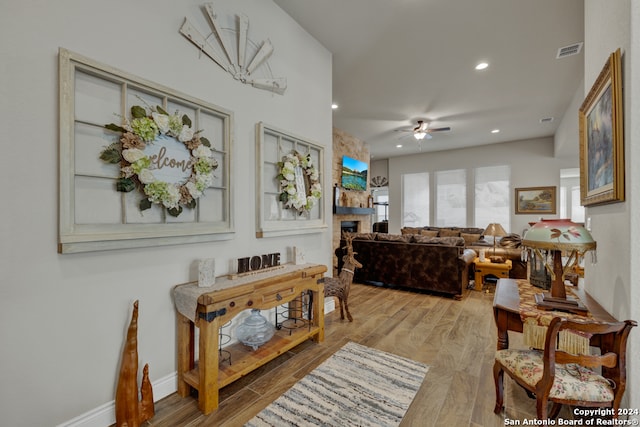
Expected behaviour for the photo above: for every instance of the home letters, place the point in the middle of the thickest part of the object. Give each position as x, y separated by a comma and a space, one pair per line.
258, 262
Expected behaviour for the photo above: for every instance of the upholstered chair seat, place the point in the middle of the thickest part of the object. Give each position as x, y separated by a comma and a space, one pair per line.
572, 381
563, 378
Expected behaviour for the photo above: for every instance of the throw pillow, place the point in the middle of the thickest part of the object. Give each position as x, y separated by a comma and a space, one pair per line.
429, 233
393, 237
410, 230
470, 238
364, 236
444, 232
448, 241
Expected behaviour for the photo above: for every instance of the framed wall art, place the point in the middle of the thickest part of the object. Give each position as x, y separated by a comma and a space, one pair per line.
140, 164
601, 138
535, 200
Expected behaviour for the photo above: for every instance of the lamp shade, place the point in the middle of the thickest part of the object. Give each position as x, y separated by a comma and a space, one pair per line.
559, 234
495, 230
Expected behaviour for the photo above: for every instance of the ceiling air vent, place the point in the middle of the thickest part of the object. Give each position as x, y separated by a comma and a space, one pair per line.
546, 120
570, 50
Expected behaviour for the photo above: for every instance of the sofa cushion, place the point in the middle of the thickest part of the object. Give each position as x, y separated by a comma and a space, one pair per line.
364, 236
448, 232
410, 230
429, 233
448, 241
470, 238
394, 237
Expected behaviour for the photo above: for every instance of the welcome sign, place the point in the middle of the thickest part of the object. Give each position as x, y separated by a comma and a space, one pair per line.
170, 159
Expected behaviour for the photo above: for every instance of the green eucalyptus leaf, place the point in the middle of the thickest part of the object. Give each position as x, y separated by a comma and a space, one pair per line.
110, 155
161, 110
186, 120
284, 197
125, 185
175, 211
192, 204
137, 112
145, 204
115, 128
205, 142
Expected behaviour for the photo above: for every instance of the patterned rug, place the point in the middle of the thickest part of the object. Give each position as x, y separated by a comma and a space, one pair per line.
356, 386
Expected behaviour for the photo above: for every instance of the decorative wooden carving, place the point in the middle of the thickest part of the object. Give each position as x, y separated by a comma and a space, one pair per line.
129, 411
339, 286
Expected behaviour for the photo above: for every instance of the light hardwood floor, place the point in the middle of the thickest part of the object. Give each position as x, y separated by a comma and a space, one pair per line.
457, 339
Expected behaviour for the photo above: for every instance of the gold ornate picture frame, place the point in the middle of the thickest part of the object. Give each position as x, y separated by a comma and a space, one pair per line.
535, 200
601, 138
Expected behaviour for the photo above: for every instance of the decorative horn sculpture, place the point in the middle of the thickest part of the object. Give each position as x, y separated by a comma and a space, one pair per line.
129, 411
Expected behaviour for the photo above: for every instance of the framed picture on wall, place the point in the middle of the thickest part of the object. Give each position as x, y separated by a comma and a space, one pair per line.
535, 200
601, 138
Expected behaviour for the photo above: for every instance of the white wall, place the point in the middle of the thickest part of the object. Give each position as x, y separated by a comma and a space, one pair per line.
63, 317
532, 165
608, 26
567, 137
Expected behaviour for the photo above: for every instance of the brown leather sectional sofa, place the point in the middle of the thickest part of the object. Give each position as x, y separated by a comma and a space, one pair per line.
440, 265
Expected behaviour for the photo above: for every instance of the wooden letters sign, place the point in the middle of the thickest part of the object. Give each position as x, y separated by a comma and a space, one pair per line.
258, 262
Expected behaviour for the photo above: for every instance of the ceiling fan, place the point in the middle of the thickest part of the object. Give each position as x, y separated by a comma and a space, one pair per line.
423, 130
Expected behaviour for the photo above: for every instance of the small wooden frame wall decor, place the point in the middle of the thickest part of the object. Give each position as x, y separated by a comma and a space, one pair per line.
274, 217
535, 200
96, 213
601, 138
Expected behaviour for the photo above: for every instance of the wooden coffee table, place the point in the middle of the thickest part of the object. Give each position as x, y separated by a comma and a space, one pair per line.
486, 267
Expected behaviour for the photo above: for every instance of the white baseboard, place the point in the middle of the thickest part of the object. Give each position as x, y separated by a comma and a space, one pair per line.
105, 415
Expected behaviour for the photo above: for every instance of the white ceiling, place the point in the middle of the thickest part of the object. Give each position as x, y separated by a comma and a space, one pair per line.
399, 61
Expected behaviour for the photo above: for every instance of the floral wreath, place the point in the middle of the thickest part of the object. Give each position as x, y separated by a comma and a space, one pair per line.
137, 169
289, 194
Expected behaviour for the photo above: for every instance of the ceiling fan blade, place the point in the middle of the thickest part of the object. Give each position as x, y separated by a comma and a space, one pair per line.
439, 129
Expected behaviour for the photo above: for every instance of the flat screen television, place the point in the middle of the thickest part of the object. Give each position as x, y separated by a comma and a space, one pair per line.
354, 174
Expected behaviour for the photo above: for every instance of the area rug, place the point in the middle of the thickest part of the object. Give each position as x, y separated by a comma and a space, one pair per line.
356, 386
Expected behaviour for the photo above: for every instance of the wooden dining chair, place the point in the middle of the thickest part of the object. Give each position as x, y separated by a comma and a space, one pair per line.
563, 378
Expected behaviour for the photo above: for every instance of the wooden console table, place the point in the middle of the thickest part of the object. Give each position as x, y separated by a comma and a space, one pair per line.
209, 309
506, 311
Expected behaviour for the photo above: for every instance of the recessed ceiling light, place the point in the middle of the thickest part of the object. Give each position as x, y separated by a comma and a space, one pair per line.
334, 106
399, 146
482, 66
495, 131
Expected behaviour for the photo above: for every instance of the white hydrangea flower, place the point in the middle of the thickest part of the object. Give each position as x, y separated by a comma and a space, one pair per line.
132, 155
193, 189
186, 134
146, 176
172, 198
162, 121
202, 151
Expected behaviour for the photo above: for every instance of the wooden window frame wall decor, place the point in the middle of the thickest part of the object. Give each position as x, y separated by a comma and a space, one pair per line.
93, 215
272, 218
604, 101
532, 193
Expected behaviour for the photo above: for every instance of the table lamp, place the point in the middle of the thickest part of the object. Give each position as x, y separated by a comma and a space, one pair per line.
557, 236
495, 230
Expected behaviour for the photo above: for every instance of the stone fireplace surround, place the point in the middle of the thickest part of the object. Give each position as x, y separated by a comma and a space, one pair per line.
347, 145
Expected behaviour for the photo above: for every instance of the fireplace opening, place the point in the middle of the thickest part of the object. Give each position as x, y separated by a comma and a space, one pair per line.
349, 226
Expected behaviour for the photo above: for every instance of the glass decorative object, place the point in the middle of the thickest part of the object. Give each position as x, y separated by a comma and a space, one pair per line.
255, 330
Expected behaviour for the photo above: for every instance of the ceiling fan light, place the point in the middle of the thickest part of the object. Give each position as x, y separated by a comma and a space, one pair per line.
419, 135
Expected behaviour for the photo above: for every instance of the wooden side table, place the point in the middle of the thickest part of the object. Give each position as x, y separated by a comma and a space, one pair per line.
212, 309
485, 268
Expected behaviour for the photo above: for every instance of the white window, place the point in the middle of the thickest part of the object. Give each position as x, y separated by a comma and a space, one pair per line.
451, 202
492, 196
381, 203
570, 195
415, 199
